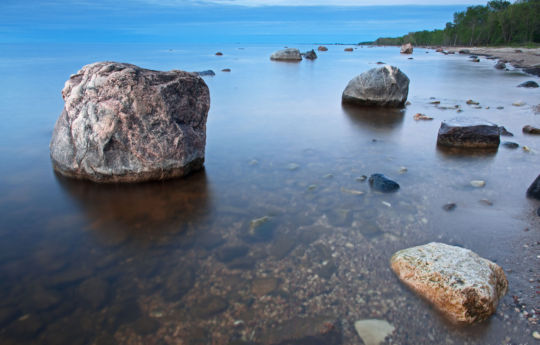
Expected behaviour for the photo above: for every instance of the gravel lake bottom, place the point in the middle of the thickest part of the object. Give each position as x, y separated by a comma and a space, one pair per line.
177, 262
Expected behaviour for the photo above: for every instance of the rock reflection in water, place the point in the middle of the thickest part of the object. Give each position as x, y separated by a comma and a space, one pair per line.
458, 152
379, 119
143, 212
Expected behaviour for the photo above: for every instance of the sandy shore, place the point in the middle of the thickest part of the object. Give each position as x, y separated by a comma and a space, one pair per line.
524, 58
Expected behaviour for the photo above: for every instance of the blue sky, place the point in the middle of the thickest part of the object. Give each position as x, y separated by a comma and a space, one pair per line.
219, 21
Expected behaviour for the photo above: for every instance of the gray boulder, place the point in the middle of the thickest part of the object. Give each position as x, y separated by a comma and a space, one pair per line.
500, 65
384, 86
529, 84
469, 132
123, 123
289, 54
310, 55
406, 49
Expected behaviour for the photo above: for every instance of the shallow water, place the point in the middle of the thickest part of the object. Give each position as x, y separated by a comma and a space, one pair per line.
173, 262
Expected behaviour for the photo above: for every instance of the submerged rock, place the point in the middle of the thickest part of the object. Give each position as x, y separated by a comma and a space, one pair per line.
406, 49
123, 123
310, 55
461, 284
259, 230
373, 331
534, 189
383, 86
529, 84
289, 54
315, 330
469, 133
381, 183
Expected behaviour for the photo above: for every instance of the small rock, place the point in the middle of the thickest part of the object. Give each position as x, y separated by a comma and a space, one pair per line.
406, 49
219, 54
403, 170
486, 202
373, 332
435, 102
500, 108
531, 130
419, 116
510, 145
478, 183
381, 183
534, 189
226, 70
310, 55
386, 203
471, 102
449, 207
351, 191
500, 65
348, 49
518, 103
380, 63
529, 84
322, 49
361, 178
475, 60
536, 335
259, 230
468, 133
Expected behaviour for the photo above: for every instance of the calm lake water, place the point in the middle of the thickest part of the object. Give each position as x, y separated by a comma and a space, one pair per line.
173, 262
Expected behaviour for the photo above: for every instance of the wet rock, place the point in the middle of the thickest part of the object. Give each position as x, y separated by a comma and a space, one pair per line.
504, 132
449, 207
263, 286
219, 54
322, 49
461, 284
500, 65
419, 116
207, 73
381, 183
406, 49
475, 60
373, 331
230, 253
317, 330
310, 55
178, 283
465, 51
471, 102
145, 325
534, 189
123, 123
478, 183
529, 84
510, 145
93, 292
259, 230
289, 54
383, 86
486, 202
226, 70
209, 306
348, 49
468, 133
531, 130
361, 178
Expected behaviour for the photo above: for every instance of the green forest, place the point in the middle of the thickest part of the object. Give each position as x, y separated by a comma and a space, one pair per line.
498, 23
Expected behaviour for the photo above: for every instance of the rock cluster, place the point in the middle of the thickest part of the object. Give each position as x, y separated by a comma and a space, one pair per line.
123, 123
461, 284
384, 86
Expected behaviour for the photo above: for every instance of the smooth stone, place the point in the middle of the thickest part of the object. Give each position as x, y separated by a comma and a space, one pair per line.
531, 130
226, 70
381, 183
462, 285
406, 49
348, 49
219, 54
123, 123
289, 54
385, 86
534, 189
209, 306
478, 183
518, 103
471, 102
373, 331
467, 132
510, 145
529, 84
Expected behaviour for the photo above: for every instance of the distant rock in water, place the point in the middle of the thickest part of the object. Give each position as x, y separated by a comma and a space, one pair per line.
310, 55
322, 49
529, 84
504, 132
208, 72
534, 189
500, 65
381, 183
288, 54
461, 284
384, 86
406, 49
464, 51
531, 130
123, 123
510, 145
469, 133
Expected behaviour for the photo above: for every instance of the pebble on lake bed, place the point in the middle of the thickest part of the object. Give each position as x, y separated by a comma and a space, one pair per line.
419, 116
478, 183
373, 331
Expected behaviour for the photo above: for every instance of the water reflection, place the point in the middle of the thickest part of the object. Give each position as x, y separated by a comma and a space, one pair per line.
144, 212
379, 119
459, 152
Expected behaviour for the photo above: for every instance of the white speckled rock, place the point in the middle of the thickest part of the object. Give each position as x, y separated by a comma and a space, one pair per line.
461, 284
289, 54
373, 331
406, 49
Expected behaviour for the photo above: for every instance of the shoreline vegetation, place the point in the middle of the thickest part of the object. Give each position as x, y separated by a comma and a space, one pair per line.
498, 23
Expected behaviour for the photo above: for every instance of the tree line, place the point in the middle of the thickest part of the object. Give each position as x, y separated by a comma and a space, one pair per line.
498, 23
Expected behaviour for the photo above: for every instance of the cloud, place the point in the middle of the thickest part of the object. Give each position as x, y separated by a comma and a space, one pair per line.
336, 3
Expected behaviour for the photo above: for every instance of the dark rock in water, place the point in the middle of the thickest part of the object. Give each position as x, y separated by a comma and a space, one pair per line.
449, 207
383, 86
322, 49
206, 73
123, 123
532, 70
226, 70
219, 54
348, 49
529, 84
310, 55
500, 65
381, 183
504, 132
259, 230
538, 211
468, 133
209, 306
473, 57
380, 63
289, 54
534, 189
229, 253
510, 145
531, 130
316, 330
327, 269
475, 60
464, 51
